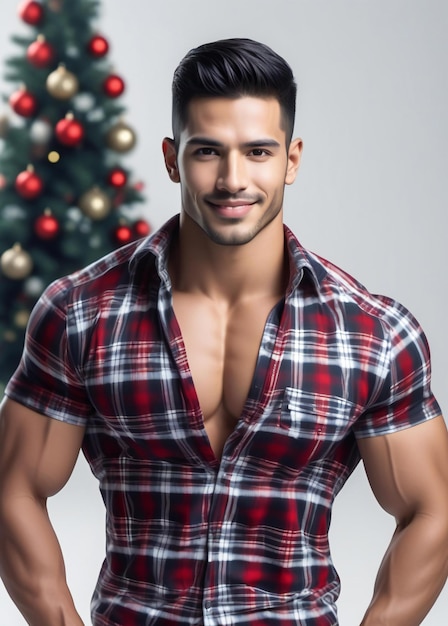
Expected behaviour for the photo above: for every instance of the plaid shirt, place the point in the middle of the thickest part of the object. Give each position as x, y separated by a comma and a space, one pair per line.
241, 541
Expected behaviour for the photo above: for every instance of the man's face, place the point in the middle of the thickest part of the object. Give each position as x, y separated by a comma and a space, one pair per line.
232, 164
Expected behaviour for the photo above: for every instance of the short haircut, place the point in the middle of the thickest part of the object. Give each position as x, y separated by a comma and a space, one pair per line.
232, 68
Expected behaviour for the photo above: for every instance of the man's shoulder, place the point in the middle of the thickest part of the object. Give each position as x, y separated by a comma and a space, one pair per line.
339, 288
330, 280
106, 273
339, 285
118, 269
339, 280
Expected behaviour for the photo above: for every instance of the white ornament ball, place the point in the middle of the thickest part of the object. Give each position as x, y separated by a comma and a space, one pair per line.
72, 51
13, 212
96, 115
34, 286
40, 132
74, 214
95, 241
83, 102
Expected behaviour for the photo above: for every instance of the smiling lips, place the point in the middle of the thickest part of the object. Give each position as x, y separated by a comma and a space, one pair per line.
235, 208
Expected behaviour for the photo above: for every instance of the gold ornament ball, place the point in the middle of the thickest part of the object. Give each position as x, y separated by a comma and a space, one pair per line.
21, 318
15, 263
55, 5
95, 204
62, 84
9, 336
121, 137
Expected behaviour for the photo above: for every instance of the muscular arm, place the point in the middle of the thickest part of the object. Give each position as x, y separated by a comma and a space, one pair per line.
408, 472
37, 456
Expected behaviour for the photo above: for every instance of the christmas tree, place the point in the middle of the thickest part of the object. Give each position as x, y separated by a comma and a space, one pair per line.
65, 197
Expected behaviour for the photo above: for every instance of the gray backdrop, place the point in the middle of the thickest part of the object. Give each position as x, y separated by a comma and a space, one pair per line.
371, 195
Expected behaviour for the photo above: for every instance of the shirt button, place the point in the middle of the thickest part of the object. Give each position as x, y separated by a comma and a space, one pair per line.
208, 605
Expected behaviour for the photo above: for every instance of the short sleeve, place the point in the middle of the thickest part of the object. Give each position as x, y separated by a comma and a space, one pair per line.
405, 398
47, 379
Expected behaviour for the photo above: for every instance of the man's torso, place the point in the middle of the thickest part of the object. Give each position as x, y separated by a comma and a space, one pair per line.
243, 539
222, 344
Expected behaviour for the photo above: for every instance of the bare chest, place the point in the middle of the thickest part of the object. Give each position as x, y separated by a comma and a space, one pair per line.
222, 348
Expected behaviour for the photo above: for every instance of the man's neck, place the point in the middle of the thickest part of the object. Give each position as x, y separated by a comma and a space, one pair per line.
230, 273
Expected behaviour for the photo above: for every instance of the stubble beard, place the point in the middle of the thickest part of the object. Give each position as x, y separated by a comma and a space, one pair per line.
238, 238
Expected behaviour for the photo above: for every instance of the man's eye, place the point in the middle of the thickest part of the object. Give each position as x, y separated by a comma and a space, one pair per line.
206, 151
258, 152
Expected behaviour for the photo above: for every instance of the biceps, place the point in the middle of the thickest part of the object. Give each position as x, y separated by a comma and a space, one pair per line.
408, 470
37, 453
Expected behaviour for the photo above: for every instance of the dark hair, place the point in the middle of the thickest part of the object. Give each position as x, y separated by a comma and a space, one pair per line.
231, 68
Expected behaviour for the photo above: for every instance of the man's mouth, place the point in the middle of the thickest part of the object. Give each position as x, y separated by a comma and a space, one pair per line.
231, 202
231, 208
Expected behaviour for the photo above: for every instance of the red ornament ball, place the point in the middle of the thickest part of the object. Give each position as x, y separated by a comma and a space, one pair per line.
28, 184
141, 228
31, 12
113, 86
117, 178
46, 226
69, 131
40, 53
98, 46
123, 234
23, 102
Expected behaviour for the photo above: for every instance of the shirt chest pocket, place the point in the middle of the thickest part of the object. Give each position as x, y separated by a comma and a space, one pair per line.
316, 422
303, 428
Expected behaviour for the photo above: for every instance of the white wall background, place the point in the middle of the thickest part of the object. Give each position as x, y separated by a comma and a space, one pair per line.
371, 195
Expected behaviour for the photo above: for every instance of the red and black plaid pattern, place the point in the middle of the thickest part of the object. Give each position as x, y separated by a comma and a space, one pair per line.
243, 541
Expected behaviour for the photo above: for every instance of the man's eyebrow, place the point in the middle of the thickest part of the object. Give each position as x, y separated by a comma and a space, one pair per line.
212, 143
261, 143
203, 141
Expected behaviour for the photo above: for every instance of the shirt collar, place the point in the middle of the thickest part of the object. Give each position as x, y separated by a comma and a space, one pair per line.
157, 245
303, 264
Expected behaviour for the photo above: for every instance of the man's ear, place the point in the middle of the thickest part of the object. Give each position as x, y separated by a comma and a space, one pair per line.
170, 156
294, 159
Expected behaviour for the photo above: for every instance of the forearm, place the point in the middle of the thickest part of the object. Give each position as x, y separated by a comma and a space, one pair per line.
31, 564
411, 575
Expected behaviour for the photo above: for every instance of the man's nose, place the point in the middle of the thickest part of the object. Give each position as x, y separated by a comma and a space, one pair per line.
232, 175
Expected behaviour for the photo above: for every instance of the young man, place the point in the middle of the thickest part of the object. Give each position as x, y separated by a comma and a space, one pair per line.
223, 383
